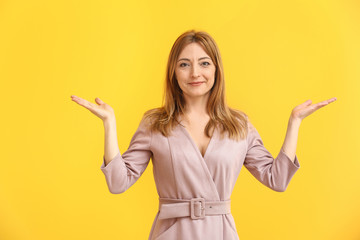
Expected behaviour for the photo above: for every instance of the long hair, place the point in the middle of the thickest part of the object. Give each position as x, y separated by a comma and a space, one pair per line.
164, 119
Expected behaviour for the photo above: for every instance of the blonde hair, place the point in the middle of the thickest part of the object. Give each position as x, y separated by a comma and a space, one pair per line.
164, 119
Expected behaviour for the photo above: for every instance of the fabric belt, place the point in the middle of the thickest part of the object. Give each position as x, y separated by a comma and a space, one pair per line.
196, 208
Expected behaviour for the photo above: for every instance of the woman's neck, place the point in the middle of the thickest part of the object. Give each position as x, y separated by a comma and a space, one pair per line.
196, 107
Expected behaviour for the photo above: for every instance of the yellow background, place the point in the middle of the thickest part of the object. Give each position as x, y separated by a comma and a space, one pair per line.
276, 54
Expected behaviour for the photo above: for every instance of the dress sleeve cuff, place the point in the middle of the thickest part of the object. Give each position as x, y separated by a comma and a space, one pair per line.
114, 159
294, 163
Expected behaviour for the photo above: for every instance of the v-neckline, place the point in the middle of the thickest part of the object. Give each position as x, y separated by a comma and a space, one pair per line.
194, 143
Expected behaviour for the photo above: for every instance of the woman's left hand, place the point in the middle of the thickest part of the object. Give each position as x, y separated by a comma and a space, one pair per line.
297, 115
305, 109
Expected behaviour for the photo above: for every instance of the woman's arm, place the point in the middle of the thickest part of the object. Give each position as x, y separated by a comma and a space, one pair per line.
297, 115
111, 148
276, 173
289, 145
105, 112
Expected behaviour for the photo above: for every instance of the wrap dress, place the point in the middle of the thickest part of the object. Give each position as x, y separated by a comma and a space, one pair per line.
181, 172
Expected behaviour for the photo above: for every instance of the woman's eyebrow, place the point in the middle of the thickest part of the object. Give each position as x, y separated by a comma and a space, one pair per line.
189, 59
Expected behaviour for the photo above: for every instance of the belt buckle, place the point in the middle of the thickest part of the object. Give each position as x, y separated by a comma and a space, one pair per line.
192, 208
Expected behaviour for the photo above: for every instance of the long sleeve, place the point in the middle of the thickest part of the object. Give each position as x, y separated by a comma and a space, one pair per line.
273, 173
124, 170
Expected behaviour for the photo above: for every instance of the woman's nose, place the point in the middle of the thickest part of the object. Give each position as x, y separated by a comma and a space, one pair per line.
194, 71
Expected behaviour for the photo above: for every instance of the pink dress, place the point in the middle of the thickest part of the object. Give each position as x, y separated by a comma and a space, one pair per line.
182, 173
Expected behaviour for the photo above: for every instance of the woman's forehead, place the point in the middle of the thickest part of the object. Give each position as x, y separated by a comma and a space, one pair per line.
193, 50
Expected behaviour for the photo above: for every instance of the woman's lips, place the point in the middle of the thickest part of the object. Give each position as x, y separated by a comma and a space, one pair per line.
196, 83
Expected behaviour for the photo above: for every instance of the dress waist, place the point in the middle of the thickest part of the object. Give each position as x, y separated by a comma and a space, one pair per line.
196, 208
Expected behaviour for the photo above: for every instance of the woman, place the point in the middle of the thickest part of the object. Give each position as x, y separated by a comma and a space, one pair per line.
198, 146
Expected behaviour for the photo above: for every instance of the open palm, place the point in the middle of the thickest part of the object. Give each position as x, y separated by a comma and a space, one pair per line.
305, 109
102, 110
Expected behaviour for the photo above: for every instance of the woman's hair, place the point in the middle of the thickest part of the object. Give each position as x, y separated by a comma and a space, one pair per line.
164, 119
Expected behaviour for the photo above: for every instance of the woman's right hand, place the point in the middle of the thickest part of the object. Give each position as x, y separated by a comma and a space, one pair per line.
102, 110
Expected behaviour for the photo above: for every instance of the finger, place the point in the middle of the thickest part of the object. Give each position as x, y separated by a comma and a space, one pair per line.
81, 102
75, 98
332, 100
329, 101
321, 104
84, 103
306, 103
99, 101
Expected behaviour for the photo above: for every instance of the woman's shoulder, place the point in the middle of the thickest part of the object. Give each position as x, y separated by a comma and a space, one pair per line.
152, 113
151, 117
250, 125
242, 117
156, 109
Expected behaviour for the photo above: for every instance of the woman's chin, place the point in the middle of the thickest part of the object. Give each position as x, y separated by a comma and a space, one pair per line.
197, 94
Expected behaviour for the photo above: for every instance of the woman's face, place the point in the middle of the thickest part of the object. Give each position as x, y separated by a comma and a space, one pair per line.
195, 72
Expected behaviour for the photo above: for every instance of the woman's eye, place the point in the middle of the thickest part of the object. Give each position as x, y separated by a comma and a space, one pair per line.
207, 63
183, 64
